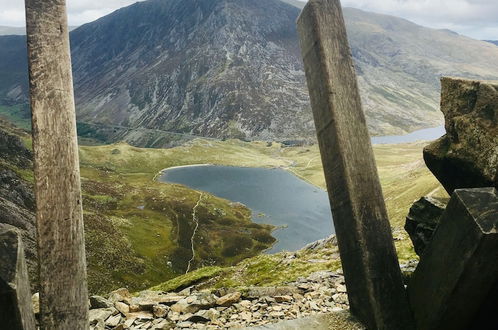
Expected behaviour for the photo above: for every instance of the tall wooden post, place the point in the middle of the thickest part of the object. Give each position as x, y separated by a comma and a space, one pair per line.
373, 277
61, 249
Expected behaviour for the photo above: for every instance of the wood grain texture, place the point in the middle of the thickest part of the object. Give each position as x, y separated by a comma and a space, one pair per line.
63, 287
454, 285
16, 309
373, 277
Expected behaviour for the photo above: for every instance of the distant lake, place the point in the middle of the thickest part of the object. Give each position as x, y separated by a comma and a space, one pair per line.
426, 134
283, 199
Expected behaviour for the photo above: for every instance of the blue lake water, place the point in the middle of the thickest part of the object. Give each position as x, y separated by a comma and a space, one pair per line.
426, 134
284, 199
301, 209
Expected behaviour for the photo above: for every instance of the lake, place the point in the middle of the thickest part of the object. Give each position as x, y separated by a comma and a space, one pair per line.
427, 134
275, 196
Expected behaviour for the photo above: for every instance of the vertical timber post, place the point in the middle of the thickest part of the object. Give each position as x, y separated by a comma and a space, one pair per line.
375, 289
61, 249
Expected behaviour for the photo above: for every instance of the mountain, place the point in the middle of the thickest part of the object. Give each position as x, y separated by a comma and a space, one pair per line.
495, 42
232, 68
295, 3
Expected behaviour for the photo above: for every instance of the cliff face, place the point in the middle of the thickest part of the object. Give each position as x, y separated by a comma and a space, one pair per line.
232, 68
214, 68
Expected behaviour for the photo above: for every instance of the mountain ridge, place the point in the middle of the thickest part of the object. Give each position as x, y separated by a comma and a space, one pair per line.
233, 69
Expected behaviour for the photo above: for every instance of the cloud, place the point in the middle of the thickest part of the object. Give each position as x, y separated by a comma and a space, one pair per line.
79, 11
475, 18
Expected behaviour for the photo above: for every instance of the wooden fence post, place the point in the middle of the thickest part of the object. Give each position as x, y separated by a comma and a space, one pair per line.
457, 276
373, 277
16, 309
61, 249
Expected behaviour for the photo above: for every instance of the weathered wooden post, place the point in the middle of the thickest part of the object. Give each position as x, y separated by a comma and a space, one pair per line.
458, 272
373, 277
16, 310
61, 249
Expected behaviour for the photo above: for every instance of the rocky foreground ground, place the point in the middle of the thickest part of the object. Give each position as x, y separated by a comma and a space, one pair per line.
320, 292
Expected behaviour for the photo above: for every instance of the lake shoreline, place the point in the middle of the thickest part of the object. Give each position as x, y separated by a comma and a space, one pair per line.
288, 202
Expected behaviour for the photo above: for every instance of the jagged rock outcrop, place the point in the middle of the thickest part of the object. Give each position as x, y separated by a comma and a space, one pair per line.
467, 156
422, 221
17, 202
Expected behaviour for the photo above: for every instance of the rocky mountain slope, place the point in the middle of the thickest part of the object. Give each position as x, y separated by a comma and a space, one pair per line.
233, 69
495, 42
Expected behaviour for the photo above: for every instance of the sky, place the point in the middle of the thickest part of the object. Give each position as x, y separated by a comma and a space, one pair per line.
474, 18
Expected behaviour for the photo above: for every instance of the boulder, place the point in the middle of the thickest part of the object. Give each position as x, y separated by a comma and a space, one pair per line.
467, 156
160, 310
122, 307
422, 220
120, 295
99, 302
258, 292
194, 303
100, 314
228, 300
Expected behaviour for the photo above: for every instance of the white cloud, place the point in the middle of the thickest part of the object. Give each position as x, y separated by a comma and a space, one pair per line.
475, 18
79, 11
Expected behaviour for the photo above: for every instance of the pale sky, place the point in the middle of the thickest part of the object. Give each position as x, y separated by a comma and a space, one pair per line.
474, 18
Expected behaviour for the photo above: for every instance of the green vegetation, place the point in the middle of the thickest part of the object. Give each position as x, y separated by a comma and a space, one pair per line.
189, 279
17, 114
263, 270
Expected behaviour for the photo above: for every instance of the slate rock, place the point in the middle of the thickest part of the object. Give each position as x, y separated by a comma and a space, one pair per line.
229, 299
99, 302
258, 292
160, 310
121, 294
422, 220
467, 156
100, 314
122, 307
